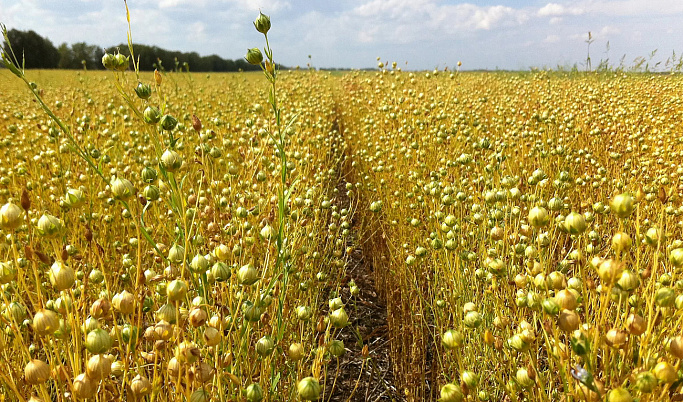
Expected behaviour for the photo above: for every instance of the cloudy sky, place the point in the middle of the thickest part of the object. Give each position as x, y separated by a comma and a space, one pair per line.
418, 34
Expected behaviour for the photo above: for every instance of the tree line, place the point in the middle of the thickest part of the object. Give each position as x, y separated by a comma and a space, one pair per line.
39, 52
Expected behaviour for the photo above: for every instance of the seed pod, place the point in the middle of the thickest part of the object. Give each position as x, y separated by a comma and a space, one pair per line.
629, 280
196, 123
197, 317
339, 318
304, 313
295, 351
616, 338
568, 320
262, 24
566, 299
309, 389
187, 351
121, 62
254, 56
84, 387
176, 290
202, 372
151, 115
621, 242
470, 379
140, 386
575, 223
619, 395
610, 270
472, 319
124, 302
635, 324
98, 341
109, 61
622, 205
254, 393
25, 200
100, 308
36, 372
538, 217
451, 393
117, 368
211, 336
168, 122
98, 366
200, 395
665, 373
176, 254
524, 378
676, 346
665, 297
171, 160
646, 382
49, 226
143, 91
10, 216
7, 272
247, 275
265, 346
62, 277
45, 322
122, 189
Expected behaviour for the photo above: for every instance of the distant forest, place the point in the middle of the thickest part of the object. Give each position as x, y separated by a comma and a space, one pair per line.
39, 52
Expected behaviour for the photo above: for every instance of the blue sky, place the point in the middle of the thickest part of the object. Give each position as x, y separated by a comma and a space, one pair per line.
417, 34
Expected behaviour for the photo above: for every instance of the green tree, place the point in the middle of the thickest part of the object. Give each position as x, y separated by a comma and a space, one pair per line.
37, 52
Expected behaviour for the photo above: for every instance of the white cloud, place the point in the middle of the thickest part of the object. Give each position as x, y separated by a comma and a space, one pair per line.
551, 39
558, 10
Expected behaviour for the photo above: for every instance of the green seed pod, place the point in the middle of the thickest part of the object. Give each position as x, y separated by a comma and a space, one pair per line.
472, 319
98, 341
45, 322
15, 312
168, 122
254, 393
575, 223
339, 318
665, 373
199, 264
176, 254
254, 56
645, 382
176, 290
148, 174
109, 61
629, 280
551, 307
676, 257
336, 348
451, 393
665, 297
451, 339
62, 277
151, 193
517, 343
122, 189
121, 62
10, 216
252, 312
143, 91
309, 389
619, 395
336, 303
167, 313
470, 379
304, 313
7, 272
523, 378
622, 205
171, 160
265, 346
262, 24
248, 275
200, 395
220, 272
151, 115
538, 217
49, 226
